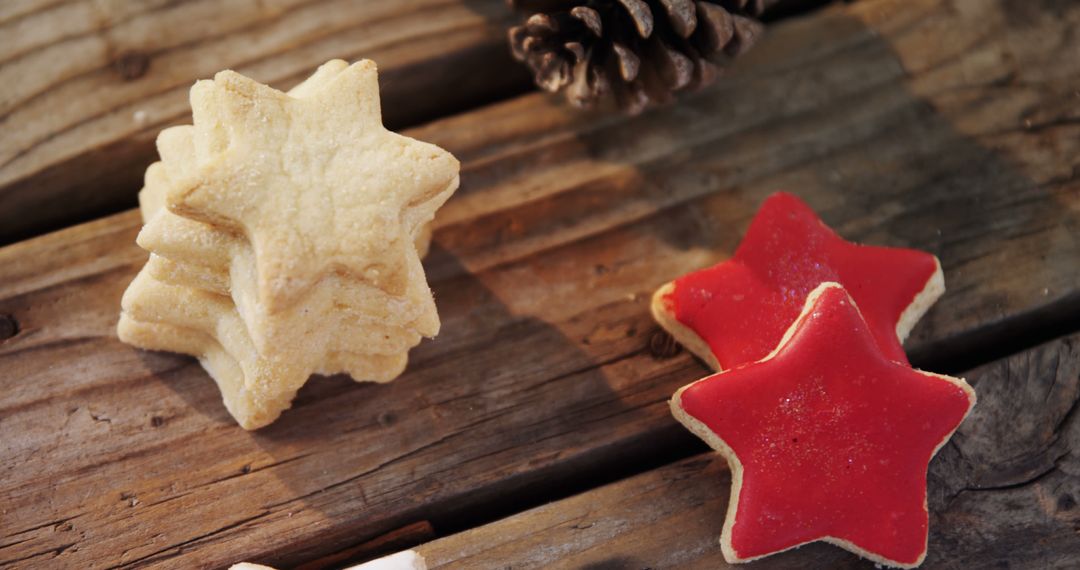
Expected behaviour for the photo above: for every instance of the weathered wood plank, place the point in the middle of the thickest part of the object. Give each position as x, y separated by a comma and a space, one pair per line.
1004, 491
542, 269
87, 85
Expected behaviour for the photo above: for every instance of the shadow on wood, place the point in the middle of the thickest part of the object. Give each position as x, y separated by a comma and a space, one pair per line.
501, 379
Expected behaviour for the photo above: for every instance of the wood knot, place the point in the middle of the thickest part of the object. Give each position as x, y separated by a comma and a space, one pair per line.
157, 421
9, 327
662, 345
131, 65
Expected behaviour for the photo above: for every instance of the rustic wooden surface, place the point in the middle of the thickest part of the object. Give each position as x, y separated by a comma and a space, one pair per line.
1004, 491
88, 84
943, 125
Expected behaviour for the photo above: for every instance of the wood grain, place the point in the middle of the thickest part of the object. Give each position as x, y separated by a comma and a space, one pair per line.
88, 84
542, 267
1003, 490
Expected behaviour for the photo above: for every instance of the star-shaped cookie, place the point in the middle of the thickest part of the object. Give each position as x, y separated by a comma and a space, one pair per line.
188, 252
316, 183
827, 437
736, 311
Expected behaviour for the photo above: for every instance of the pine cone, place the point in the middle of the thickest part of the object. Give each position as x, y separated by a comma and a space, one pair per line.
638, 51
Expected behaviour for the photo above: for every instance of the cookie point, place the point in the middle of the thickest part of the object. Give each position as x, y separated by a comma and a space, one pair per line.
367, 64
783, 196
200, 89
675, 403
227, 76
237, 84
730, 556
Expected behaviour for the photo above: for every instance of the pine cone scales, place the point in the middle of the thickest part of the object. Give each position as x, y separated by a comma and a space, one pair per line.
637, 51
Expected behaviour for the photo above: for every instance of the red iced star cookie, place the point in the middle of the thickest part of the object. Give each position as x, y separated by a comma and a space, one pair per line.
827, 439
735, 312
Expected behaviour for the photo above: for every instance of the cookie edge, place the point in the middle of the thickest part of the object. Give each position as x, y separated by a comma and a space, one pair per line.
921, 303
684, 335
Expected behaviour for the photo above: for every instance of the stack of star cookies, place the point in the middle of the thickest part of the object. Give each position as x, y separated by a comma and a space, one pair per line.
285, 233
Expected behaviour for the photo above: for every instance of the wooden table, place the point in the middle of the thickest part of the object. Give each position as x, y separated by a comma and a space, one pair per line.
534, 431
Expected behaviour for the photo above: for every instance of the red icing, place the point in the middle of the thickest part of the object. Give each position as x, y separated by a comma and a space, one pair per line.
833, 438
742, 306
